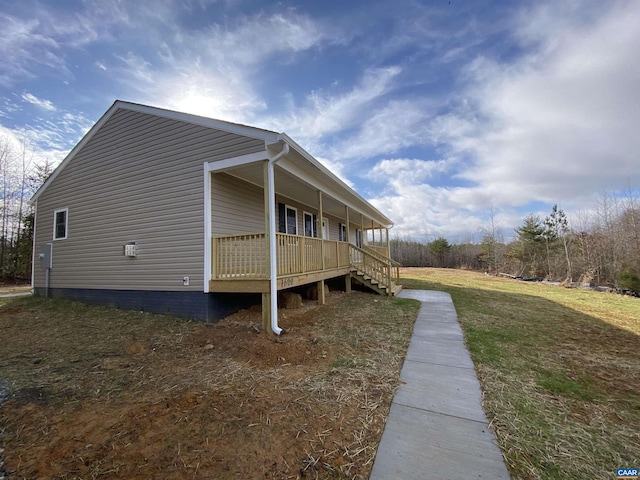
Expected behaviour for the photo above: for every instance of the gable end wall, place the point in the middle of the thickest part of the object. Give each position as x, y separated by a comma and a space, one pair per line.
139, 179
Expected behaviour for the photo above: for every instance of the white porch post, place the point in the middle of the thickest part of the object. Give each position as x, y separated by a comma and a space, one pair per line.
347, 277
388, 242
346, 214
208, 261
320, 284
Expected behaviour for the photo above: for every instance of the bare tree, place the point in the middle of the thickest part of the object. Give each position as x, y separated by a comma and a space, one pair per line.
492, 242
6, 170
26, 160
557, 230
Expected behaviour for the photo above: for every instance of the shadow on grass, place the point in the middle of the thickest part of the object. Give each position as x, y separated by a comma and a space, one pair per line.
562, 387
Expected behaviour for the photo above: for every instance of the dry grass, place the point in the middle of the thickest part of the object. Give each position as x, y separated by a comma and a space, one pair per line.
14, 288
101, 393
559, 368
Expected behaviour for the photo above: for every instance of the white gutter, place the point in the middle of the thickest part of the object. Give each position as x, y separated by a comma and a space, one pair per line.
273, 261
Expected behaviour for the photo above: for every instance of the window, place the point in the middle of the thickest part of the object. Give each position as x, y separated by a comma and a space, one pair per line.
343, 232
292, 220
358, 238
60, 221
310, 225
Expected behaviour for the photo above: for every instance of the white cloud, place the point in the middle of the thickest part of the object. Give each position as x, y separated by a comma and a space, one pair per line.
337, 169
44, 104
42, 38
401, 172
396, 125
424, 212
325, 114
212, 72
262, 36
562, 120
50, 139
556, 125
19, 41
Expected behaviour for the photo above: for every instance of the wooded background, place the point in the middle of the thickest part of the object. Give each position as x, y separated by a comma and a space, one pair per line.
600, 247
21, 176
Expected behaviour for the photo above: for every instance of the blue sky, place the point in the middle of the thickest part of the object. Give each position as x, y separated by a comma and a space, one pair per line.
435, 111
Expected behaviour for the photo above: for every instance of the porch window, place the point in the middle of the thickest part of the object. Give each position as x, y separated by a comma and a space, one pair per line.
60, 220
310, 225
343, 232
292, 220
358, 238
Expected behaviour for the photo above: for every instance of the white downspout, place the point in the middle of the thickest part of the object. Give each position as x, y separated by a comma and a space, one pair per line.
273, 261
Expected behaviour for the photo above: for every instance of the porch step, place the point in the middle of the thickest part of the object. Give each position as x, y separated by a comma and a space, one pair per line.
375, 285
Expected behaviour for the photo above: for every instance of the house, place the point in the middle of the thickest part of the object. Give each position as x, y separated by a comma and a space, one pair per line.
162, 211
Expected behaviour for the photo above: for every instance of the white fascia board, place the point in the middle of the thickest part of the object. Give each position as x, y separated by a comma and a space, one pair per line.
239, 129
232, 162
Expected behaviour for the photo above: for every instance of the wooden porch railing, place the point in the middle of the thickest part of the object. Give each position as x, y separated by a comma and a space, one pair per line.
239, 256
380, 268
244, 256
377, 249
383, 257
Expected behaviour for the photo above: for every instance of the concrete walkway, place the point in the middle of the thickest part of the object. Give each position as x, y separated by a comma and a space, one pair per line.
436, 428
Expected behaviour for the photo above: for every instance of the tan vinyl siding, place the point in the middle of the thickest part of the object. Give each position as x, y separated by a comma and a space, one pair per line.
236, 206
139, 179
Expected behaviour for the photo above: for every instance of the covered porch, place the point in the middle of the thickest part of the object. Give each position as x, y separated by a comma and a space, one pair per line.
314, 227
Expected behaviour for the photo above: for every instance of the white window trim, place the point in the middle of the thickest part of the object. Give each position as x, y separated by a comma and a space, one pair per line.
314, 226
66, 223
286, 219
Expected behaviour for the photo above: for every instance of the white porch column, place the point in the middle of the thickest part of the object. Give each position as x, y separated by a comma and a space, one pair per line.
320, 284
346, 214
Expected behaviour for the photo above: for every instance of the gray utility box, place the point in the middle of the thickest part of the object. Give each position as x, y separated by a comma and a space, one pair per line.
46, 258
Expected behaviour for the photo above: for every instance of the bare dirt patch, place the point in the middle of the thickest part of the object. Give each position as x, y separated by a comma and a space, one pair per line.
98, 393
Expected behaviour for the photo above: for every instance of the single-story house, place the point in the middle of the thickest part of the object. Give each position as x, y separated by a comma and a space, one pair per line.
163, 211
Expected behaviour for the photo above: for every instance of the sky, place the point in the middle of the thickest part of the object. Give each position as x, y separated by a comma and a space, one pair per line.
443, 114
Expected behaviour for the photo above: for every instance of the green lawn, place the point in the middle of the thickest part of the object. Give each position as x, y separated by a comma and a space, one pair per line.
559, 368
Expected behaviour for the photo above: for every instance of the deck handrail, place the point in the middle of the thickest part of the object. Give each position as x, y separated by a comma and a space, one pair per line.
380, 256
379, 268
244, 255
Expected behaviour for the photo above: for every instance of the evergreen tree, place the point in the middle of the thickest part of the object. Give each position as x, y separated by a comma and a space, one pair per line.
440, 247
529, 245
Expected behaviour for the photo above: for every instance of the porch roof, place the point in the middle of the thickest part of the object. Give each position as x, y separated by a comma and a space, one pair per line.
299, 176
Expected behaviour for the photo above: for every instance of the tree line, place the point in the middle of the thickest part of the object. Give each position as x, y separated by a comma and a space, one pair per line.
601, 247
20, 177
